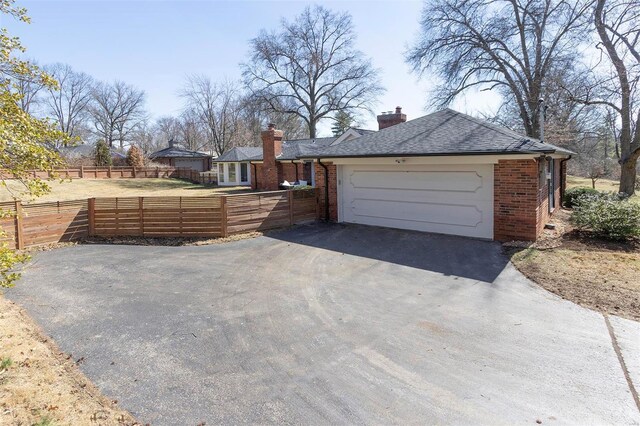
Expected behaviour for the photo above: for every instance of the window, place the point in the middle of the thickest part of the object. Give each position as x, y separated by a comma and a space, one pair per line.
542, 173
232, 172
221, 172
244, 172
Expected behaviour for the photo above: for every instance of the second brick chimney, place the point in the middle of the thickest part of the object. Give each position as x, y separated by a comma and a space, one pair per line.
271, 148
389, 119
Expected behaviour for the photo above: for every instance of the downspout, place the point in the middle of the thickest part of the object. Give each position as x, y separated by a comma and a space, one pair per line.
296, 166
326, 190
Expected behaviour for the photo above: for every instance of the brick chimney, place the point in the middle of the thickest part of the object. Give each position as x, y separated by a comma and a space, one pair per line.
271, 148
388, 119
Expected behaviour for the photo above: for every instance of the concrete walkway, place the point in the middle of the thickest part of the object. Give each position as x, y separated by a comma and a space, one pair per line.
331, 324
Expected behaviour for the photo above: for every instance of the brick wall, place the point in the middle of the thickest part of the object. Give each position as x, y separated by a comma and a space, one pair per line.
333, 190
287, 171
521, 199
256, 175
515, 184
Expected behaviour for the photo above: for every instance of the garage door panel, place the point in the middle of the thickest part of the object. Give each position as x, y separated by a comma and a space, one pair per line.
466, 181
425, 212
450, 199
399, 195
196, 165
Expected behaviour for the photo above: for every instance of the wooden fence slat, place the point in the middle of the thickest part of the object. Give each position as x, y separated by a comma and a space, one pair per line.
19, 231
92, 216
224, 213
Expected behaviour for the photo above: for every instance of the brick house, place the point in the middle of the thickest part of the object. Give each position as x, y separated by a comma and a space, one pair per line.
445, 172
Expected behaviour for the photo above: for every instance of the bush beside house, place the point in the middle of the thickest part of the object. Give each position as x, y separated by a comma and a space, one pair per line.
607, 215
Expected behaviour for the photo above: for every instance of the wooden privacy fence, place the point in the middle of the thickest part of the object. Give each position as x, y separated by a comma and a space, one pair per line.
218, 216
43, 223
124, 172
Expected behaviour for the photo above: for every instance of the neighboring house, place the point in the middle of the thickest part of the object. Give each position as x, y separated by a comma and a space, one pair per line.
85, 154
179, 157
445, 172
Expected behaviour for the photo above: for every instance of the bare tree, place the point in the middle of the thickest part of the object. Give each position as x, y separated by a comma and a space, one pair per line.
28, 85
29, 91
117, 109
508, 45
191, 132
310, 68
256, 116
616, 86
217, 107
168, 128
146, 137
69, 102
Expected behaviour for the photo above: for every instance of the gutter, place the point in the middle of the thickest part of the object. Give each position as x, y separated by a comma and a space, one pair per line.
440, 154
326, 190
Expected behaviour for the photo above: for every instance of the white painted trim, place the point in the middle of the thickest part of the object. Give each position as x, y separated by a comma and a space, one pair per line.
237, 181
350, 134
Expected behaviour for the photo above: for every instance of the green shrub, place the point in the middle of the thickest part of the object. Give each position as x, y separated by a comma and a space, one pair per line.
571, 195
102, 154
607, 216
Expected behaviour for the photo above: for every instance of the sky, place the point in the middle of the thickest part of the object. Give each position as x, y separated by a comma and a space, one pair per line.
155, 44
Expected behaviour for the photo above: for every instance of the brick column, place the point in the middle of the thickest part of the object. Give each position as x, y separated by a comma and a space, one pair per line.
516, 202
271, 148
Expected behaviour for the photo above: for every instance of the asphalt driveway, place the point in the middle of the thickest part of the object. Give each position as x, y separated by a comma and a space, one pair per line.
330, 324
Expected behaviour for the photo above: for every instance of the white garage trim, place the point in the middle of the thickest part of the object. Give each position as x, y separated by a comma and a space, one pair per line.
445, 198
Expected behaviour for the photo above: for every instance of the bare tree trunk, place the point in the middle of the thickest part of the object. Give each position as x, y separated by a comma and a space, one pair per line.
628, 176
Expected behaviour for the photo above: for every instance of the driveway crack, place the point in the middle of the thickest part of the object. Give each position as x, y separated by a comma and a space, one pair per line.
616, 348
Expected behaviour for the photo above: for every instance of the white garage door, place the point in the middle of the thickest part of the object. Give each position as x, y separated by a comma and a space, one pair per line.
196, 164
432, 198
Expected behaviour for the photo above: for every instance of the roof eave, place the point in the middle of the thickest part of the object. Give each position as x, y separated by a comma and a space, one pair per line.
439, 154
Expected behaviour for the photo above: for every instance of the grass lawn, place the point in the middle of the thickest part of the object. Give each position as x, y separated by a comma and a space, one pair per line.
85, 188
40, 385
601, 185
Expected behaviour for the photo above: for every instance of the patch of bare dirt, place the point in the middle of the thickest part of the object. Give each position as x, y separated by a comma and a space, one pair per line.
39, 384
599, 274
175, 242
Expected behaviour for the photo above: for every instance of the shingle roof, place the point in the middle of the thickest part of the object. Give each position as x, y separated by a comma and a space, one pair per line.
174, 152
291, 150
294, 149
240, 153
445, 132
